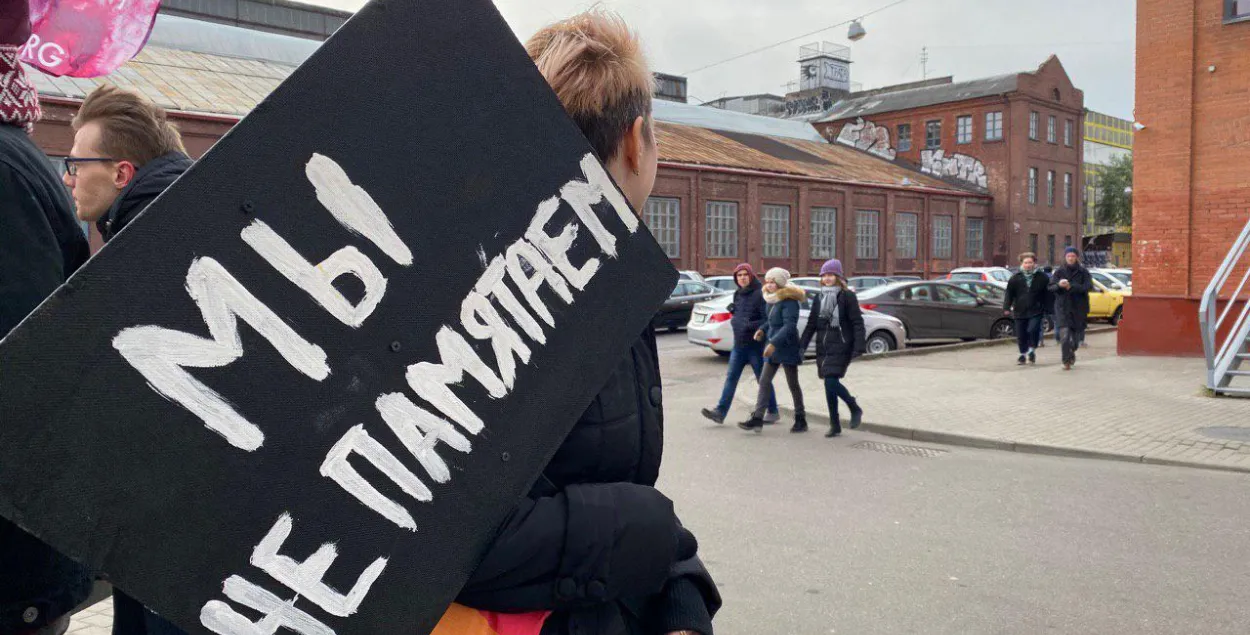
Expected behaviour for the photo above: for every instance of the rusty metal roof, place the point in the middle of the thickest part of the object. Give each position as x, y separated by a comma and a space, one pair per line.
695, 146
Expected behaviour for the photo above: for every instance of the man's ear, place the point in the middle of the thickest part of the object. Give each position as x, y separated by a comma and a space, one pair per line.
635, 140
124, 174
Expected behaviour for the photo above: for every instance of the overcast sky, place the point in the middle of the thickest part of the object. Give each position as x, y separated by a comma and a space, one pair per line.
1094, 39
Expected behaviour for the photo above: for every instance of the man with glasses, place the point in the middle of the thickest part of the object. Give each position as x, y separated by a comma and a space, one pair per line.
126, 152
40, 246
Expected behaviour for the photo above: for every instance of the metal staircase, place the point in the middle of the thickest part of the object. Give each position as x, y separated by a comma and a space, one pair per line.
1227, 358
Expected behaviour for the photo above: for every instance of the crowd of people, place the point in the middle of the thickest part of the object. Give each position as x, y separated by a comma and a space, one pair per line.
594, 549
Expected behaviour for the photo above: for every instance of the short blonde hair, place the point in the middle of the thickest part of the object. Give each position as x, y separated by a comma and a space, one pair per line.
133, 127
1028, 254
595, 64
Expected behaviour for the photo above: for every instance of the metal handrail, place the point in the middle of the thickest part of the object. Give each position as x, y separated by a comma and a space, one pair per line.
1220, 358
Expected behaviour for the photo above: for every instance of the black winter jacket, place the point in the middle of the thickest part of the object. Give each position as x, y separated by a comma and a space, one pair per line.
594, 541
1072, 304
150, 180
41, 244
836, 347
1026, 300
749, 311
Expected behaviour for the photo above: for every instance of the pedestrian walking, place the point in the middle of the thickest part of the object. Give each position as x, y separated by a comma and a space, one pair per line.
748, 309
126, 153
595, 545
1026, 299
837, 324
40, 247
1071, 287
781, 333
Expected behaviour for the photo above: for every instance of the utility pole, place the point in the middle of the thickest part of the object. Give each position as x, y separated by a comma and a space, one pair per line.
924, 62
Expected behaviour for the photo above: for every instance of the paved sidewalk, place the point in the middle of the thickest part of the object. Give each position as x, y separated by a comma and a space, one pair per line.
1141, 409
96, 619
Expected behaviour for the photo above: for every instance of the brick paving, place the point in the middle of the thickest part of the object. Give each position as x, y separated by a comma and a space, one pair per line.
96, 619
1146, 409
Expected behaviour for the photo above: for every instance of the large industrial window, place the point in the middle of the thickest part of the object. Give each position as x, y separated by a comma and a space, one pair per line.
905, 228
1033, 186
775, 221
1034, 118
824, 233
1236, 9
942, 233
663, 217
963, 129
904, 137
1067, 132
1067, 190
1051, 131
976, 239
1050, 188
933, 135
722, 229
993, 126
867, 235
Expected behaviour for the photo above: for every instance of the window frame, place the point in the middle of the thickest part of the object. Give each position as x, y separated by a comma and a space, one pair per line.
945, 233
913, 249
962, 136
1233, 18
1050, 188
720, 229
765, 208
994, 124
662, 233
1035, 123
1032, 189
1069, 186
860, 238
1068, 132
979, 223
831, 237
904, 140
932, 133
1052, 129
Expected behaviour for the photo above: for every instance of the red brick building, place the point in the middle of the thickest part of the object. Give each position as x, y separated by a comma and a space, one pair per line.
1191, 193
1017, 137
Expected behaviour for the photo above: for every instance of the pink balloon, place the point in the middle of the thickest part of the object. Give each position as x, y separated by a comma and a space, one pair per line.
87, 38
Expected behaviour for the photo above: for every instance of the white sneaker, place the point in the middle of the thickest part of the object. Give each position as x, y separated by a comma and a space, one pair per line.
772, 417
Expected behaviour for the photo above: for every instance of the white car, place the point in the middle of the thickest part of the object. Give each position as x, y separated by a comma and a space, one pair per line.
724, 283
1001, 274
689, 276
1116, 279
710, 326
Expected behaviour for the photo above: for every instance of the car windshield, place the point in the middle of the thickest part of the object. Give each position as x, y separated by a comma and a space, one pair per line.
966, 275
1126, 278
875, 292
1000, 275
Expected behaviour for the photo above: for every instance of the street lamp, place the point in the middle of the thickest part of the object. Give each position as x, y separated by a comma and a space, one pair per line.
856, 32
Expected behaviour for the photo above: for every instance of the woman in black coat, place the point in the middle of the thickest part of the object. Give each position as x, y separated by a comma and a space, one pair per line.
837, 323
595, 547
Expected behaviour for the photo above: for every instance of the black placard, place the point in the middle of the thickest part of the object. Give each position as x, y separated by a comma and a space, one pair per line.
185, 394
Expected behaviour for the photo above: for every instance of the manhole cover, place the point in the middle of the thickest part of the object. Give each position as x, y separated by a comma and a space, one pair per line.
894, 448
1227, 433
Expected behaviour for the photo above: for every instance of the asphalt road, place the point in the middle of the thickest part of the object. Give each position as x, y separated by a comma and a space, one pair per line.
807, 536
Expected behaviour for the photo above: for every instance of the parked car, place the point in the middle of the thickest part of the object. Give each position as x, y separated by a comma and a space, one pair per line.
939, 310
709, 326
1125, 276
806, 283
724, 283
904, 278
676, 310
1001, 274
1106, 303
1110, 281
689, 276
863, 283
995, 293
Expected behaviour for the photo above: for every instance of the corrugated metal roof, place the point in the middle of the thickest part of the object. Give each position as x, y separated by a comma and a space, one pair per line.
919, 97
718, 119
700, 146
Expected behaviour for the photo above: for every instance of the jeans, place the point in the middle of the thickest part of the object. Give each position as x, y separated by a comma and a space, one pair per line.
768, 395
1028, 333
834, 390
739, 357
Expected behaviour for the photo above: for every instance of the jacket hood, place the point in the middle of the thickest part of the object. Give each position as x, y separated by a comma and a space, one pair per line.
791, 292
153, 178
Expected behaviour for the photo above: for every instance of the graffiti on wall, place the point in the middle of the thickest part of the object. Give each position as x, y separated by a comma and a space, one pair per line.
869, 137
814, 103
956, 166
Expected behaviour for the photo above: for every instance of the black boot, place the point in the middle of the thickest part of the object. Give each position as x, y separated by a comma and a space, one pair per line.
800, 423
714, 415
754, 424
835, 429
857, 414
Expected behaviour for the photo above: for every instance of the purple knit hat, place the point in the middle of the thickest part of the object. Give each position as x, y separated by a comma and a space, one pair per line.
832, 266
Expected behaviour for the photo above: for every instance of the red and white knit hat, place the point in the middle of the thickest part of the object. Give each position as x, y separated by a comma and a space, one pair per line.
19, 102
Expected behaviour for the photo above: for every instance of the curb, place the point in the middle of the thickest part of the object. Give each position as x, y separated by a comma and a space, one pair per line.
988, 443
945, 348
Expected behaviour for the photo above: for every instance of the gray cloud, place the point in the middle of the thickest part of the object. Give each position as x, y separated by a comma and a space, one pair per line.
1094, 39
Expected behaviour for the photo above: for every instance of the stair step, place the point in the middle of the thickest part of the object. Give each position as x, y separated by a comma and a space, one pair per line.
1238, 373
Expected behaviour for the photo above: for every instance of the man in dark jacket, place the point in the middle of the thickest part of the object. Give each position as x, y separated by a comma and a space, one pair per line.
40, 246
749, 310
125, 154
1071, 285
1027, 294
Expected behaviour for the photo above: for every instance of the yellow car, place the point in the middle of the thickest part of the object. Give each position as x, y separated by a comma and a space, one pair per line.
1106, 303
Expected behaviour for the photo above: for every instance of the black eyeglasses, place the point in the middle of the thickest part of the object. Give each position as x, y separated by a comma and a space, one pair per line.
71, 163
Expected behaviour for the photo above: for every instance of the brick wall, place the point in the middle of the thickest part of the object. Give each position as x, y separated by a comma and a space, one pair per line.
1191, 193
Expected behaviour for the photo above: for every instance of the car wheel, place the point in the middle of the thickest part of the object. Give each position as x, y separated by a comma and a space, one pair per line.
1003, 329
672, 328
880, 342
1117, 316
